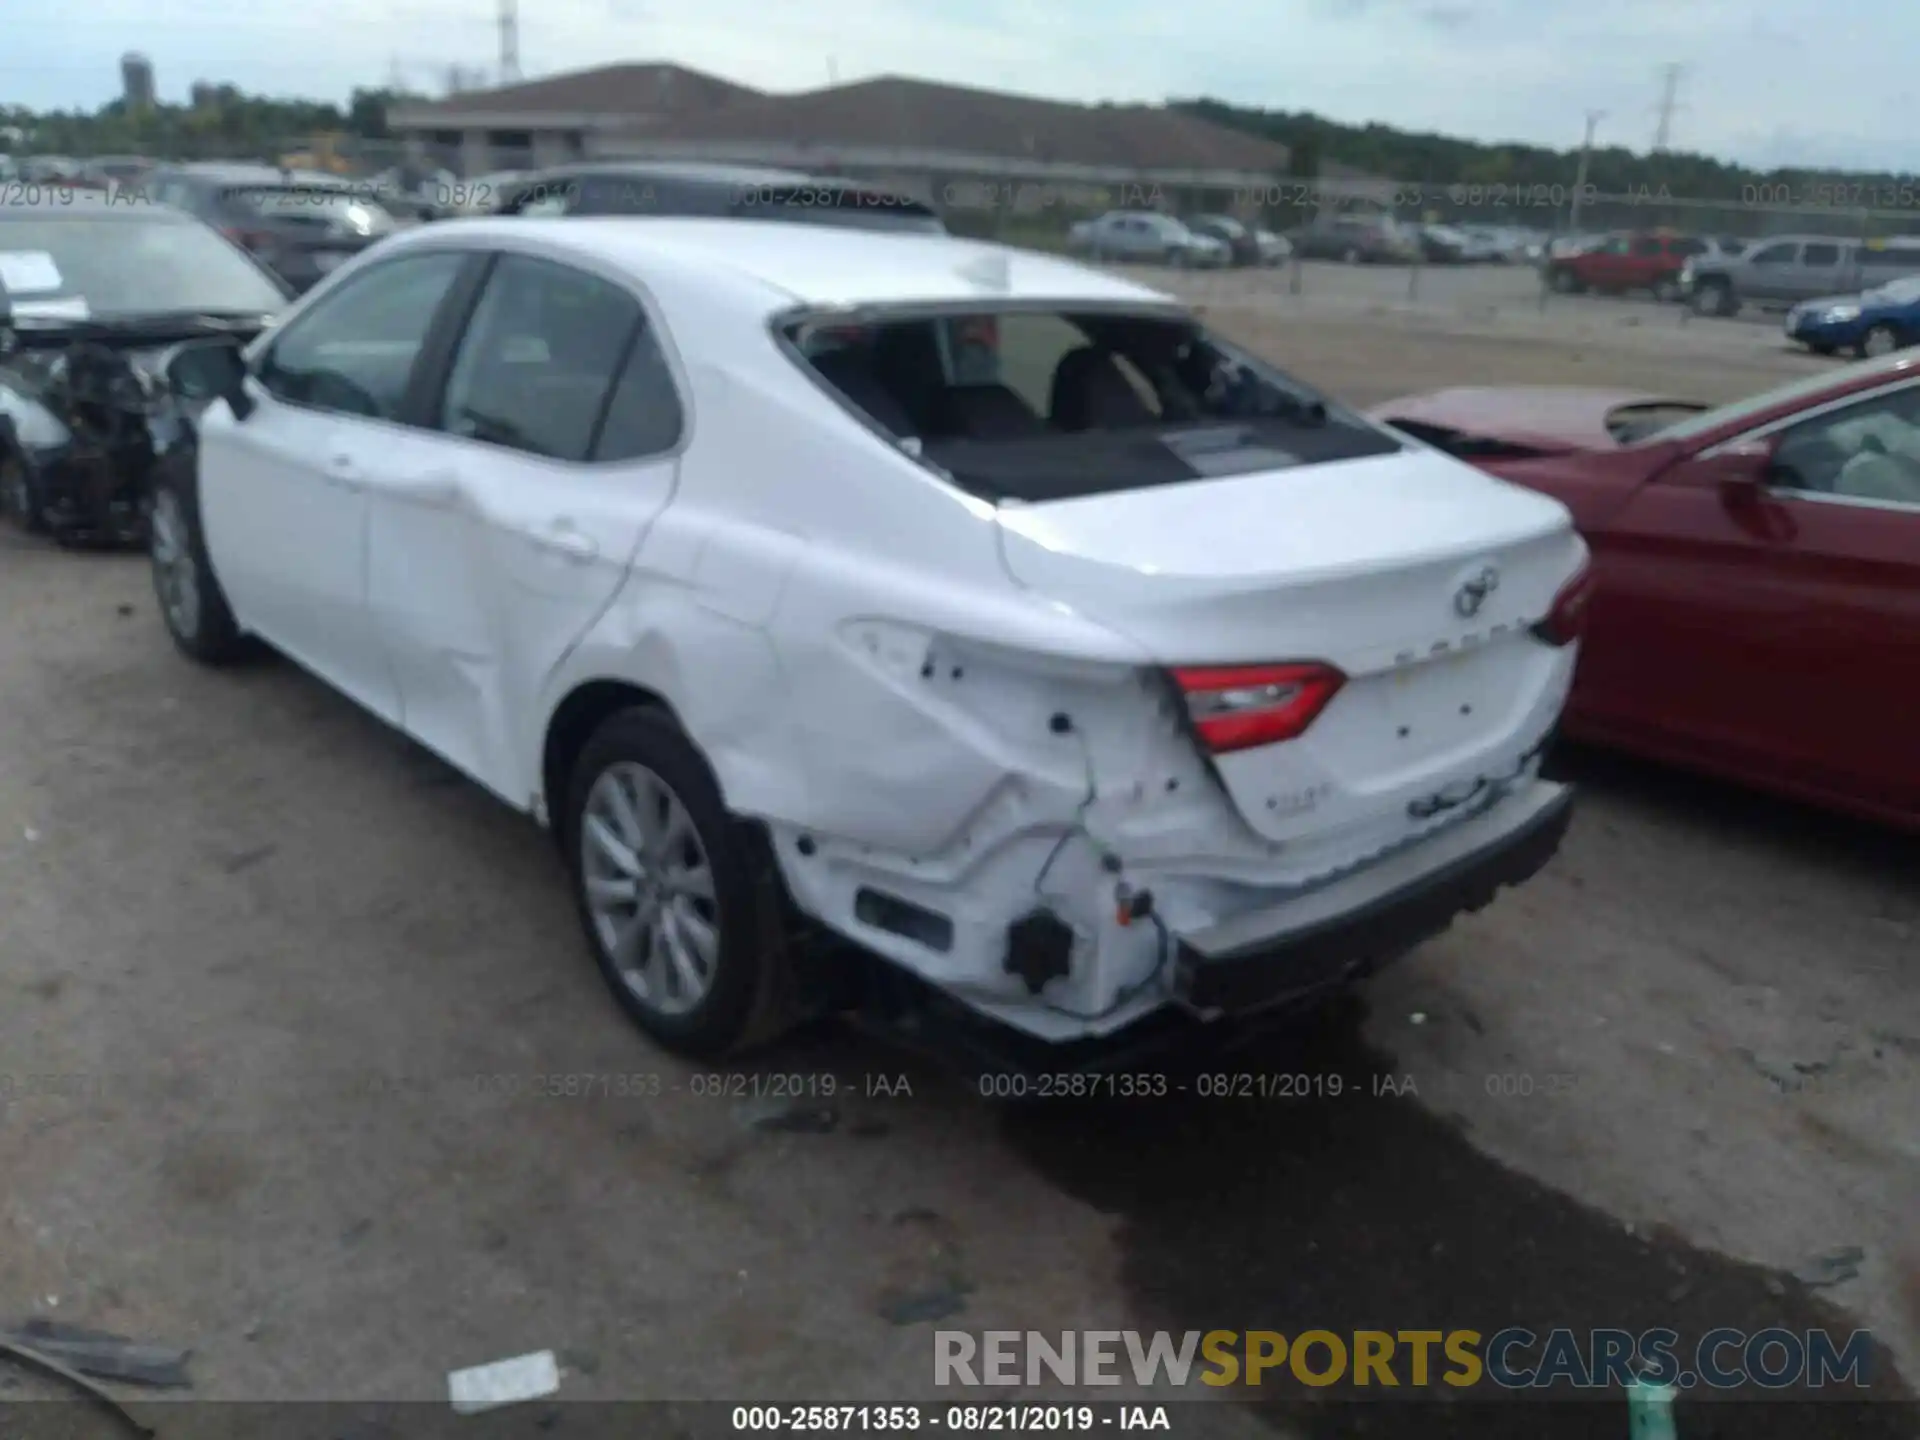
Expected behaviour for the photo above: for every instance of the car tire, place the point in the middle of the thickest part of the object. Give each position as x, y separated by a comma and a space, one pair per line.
19, 502
1879, 340
1714, 297
193, 607
1351, 255
1666, 292
704, 998
1827, 350
1565, 283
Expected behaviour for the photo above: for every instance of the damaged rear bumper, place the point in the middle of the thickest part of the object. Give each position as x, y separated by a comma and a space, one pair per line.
1350, 927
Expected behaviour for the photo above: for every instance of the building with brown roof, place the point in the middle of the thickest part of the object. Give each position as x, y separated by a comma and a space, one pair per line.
562, 117
913, 134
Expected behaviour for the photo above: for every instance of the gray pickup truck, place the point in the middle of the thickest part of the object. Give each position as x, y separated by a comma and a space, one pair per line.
1787, 269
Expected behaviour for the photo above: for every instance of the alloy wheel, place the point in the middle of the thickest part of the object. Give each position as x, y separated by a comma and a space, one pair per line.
649, 888
176, 576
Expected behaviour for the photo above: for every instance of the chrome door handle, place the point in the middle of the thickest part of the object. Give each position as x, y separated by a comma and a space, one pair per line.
436, 489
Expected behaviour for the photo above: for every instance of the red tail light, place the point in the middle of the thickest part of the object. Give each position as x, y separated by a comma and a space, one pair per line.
1566, 622
1235, 707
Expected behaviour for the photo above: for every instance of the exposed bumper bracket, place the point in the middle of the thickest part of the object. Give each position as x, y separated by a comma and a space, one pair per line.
1353, 925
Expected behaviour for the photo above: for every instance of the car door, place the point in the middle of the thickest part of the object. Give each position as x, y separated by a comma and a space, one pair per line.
504, 535
1646, 262
1826, 268
1605, 267
282, 492
1777, 632
1770, 271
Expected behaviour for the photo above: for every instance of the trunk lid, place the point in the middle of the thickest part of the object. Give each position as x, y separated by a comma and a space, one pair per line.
1543, 418
1376, 566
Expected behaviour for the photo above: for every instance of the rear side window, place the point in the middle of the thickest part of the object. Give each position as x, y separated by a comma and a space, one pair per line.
539, 358
643, 414
1032, 405
1648, 245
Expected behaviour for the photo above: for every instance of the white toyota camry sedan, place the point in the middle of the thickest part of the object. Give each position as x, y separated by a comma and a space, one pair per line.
975, 607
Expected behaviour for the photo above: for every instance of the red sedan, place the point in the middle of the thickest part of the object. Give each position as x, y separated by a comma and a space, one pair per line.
1756, 611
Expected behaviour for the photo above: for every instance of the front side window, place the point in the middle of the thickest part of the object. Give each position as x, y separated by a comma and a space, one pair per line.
1781, 254
1869, 451
354, 351
1034, 405
1647, 247
539, 358
1820, 255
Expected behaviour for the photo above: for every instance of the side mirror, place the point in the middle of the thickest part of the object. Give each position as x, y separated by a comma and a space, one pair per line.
207, 370
1740, 471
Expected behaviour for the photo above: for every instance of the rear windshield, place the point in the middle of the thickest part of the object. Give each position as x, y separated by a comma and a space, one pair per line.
319, 207
1035, 405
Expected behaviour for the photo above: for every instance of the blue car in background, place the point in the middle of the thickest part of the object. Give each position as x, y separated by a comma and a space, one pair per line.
1877, 323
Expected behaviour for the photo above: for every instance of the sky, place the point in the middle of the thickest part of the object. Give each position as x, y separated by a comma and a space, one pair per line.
1766, 82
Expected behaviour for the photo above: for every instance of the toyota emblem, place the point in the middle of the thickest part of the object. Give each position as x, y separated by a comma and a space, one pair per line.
1473, 594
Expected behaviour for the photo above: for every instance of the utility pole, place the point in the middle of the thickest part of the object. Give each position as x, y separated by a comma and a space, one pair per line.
509, 42
1594, 117
1670, 76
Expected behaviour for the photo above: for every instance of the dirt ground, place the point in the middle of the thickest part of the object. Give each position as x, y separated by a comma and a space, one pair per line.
279, 996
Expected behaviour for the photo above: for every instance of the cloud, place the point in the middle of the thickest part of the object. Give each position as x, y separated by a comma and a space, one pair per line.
1757, 87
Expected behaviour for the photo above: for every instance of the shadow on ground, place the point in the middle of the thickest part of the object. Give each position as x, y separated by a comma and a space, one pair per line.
1365, 1212
1835, 843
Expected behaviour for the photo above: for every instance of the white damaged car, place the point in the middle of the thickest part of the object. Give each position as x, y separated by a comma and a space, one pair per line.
972, 606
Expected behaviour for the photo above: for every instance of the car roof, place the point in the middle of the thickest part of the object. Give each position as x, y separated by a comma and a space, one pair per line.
691, 170
238, 173
777, 264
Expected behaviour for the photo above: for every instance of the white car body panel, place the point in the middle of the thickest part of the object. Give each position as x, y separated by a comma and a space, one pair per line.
872, 660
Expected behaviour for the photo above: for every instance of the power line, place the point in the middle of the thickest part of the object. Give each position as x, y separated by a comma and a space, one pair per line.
1670, 76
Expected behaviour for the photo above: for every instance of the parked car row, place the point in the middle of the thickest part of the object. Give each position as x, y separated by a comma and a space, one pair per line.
1357, 238
1152, 237
1055, 707
1480, 245
1874, 323
1721, 276
459, 476
1792, 269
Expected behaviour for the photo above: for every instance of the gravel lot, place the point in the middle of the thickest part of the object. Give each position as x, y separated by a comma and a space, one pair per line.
277, 990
